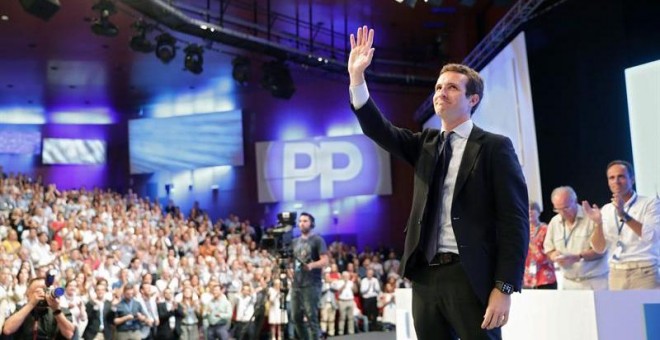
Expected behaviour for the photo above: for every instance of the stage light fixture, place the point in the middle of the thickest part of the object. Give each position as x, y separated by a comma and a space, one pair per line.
411, 3
241, 70
277, 79
194, 61
139, 41
44, 9
102, 26
165, 47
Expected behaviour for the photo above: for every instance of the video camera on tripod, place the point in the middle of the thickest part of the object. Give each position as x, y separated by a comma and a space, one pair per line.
279, 238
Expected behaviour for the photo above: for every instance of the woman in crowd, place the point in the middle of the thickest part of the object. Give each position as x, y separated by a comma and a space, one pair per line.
276, 314
539, 270
191, 313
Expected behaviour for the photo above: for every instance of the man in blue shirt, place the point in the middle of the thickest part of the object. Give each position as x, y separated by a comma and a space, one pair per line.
129, 316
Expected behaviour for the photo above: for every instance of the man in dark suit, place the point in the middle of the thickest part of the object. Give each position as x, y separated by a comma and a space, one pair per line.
99, 314
468, 230
170, 314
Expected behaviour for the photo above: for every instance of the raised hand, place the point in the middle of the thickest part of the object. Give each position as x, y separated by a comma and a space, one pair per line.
618, 202
593, 212
361, 54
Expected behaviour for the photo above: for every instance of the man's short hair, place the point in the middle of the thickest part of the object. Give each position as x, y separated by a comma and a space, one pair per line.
475, 84
311, 218
32, 280
626, 164
565, 188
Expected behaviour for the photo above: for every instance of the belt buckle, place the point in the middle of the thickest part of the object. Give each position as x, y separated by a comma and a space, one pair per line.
441, 259
446, 258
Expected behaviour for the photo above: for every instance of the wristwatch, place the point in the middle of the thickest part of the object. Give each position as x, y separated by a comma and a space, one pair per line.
504, 287
625, 218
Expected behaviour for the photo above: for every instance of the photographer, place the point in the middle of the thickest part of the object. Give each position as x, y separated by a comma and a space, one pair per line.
40, 318
310, 256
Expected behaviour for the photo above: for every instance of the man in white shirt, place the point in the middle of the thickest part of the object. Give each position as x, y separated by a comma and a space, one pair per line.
147, 299
345, 293
567, 243
244, 312
629, 227
369, 289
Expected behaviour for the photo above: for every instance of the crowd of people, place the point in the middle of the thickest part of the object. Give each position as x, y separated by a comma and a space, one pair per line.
131, 269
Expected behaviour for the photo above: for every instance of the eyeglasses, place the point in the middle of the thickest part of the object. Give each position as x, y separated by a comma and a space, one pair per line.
557, 210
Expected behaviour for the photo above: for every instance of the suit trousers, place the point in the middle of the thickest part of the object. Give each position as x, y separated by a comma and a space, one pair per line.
445, 307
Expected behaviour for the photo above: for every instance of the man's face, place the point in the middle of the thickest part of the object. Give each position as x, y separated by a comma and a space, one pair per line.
72, 288
146, 290
36, 285
100, 291
305, 224
128, 293
619, 180
216, 291
167, 294
564, 206
449, 99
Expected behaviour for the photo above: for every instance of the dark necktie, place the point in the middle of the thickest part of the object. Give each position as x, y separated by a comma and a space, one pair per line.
433, 226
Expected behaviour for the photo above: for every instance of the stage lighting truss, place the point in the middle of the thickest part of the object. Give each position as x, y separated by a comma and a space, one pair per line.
165, 47
194, 60
102, 26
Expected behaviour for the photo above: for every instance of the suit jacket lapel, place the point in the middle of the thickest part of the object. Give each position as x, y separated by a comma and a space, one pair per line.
472, 149
429, 162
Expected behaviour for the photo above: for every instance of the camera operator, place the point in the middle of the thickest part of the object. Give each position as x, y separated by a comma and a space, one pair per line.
41, 317
310, 256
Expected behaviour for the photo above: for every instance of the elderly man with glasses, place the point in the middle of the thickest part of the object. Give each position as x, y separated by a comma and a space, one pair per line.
567, 243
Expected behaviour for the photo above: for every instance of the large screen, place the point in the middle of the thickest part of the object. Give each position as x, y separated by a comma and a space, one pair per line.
643, 90
507, 109
186, 142
321, 168
15, 141
73, 151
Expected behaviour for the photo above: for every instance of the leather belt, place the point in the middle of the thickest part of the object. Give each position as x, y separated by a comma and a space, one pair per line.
443, 259
582, 279
631, 265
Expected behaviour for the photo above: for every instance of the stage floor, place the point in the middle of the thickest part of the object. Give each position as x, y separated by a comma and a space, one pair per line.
367, 336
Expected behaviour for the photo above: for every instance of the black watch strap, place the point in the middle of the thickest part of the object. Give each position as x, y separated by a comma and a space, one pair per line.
504, 287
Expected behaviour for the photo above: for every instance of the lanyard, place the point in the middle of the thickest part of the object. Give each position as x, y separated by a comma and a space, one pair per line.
566, 239
621, 223
536, 230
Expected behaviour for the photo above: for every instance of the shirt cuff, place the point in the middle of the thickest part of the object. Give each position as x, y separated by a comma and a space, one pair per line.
359, 95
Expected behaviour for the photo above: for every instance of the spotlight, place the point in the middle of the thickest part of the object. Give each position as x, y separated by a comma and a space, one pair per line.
194, 61
139, 41
241, 70
102, 25
165, 47
411, 3
44, 9
277, 79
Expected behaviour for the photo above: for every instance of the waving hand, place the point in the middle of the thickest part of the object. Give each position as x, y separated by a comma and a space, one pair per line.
361, 54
